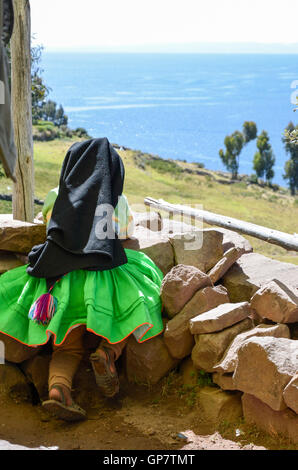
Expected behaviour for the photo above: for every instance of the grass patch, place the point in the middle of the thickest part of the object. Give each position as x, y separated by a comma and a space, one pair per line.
163, 166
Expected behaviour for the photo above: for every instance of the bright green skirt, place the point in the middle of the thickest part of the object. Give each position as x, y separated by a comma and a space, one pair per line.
112, 303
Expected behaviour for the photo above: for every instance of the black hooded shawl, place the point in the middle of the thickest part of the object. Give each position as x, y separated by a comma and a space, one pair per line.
92, 177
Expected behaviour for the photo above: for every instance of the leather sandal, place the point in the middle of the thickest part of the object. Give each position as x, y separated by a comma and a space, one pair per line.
107, 382
60, 410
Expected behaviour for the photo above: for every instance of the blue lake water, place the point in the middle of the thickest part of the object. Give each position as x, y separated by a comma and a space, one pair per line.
177, 105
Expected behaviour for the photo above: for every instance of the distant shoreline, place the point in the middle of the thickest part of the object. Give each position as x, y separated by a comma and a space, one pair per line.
219, 176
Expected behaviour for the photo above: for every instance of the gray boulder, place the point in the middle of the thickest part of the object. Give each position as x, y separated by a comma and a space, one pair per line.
177, 336
252, 270
179, 285
265, 367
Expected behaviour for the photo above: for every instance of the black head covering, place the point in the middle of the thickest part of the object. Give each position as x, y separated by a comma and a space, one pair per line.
92, 175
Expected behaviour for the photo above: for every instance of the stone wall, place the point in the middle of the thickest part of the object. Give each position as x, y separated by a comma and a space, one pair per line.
227, 311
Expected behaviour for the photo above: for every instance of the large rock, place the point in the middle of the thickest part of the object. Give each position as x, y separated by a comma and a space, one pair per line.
210, 347
291, 394
273, 422
252, 271
222, 266
229, 361
177, 336
219, 318
230, 239
8, 261
265, 366
203, 250
216, 406
233, 239
224, 381
153, 244
19, 236
179, 285
277, 302
147, 362
13, 383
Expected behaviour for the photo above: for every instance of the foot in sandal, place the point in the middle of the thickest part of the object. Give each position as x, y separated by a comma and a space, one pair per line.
103, 364
61, 405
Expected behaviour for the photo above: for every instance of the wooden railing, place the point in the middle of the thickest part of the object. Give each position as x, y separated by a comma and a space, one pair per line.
285, 240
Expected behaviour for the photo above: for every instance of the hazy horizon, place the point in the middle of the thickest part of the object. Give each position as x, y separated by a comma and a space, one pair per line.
187, 48
167, 26
169, 50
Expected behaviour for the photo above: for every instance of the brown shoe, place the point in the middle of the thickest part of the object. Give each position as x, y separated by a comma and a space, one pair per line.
61, 410
103, 365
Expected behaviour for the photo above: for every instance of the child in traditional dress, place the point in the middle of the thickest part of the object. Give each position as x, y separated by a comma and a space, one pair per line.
80, 280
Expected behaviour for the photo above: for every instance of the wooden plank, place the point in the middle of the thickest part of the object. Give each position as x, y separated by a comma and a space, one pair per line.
285, 240
23, 191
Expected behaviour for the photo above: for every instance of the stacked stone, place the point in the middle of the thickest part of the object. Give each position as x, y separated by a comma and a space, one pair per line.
186, 291
248, 342
230, 313
227, 311
192, 260
17, 239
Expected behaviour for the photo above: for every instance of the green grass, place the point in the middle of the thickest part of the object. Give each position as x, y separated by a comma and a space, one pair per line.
41, 125
165, 180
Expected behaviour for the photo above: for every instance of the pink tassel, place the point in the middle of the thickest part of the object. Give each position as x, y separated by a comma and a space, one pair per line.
43, 310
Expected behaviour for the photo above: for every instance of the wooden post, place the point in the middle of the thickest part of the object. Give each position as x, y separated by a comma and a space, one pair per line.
23, 191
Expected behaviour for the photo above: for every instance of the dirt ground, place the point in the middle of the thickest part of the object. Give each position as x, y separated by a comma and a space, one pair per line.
140, 418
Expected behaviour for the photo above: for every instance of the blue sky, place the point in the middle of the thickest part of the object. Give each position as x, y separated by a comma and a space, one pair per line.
154, 24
